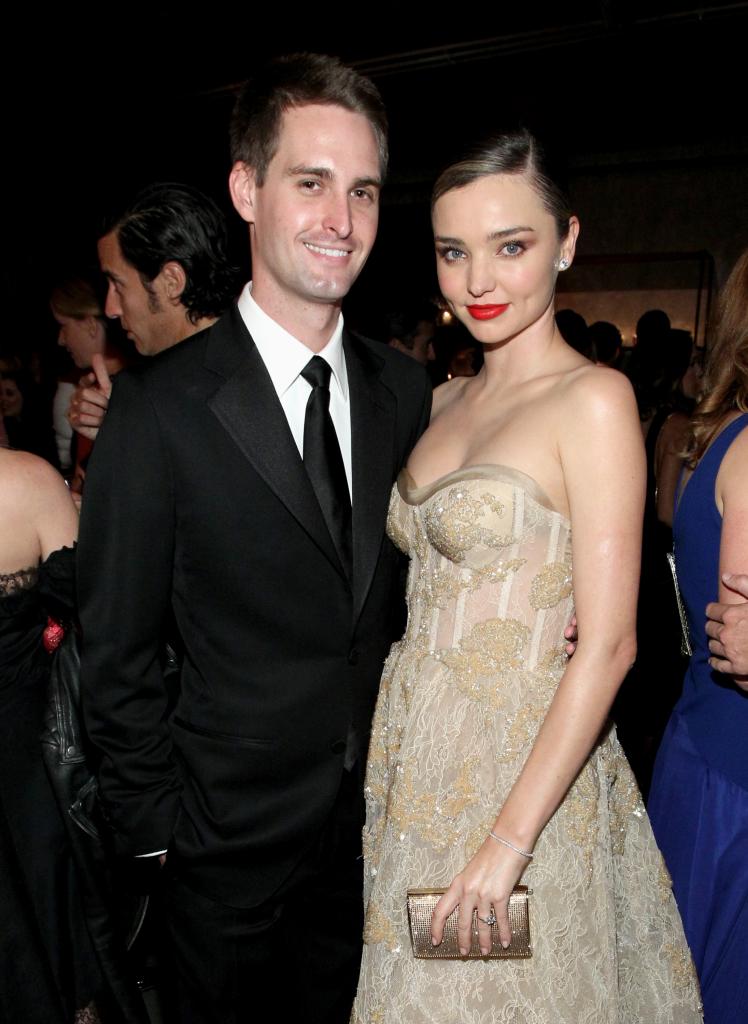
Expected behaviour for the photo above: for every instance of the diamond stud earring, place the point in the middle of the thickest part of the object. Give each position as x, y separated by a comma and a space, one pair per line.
563, 263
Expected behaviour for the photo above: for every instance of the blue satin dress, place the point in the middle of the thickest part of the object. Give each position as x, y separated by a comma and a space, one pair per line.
699, 797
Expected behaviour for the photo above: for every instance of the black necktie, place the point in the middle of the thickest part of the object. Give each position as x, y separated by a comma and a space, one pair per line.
323, 460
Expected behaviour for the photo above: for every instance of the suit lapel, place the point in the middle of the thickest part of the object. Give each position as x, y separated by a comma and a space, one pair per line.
249, 410
373, 413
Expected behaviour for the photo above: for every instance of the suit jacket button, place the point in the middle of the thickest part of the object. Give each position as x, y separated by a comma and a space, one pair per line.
353, 656
338, 747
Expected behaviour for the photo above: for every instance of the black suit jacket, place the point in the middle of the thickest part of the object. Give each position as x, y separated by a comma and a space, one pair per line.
197, 501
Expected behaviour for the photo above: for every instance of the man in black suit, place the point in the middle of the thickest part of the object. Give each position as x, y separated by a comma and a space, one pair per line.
242, 478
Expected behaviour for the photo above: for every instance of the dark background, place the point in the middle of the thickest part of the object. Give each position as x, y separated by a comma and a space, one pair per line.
646, 100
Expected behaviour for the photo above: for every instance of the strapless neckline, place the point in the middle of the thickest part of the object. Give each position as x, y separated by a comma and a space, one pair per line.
412, 494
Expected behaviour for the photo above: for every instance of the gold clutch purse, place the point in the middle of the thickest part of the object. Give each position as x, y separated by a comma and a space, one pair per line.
421, 903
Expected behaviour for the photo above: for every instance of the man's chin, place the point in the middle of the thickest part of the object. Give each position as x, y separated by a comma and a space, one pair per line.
331, 289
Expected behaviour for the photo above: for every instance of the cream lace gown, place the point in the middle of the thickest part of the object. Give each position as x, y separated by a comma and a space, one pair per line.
463, 695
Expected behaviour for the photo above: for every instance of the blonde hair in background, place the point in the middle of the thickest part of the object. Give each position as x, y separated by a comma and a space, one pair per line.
77, 298
725, 386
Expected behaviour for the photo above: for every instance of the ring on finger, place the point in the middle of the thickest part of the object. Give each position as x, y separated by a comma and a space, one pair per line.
490, 920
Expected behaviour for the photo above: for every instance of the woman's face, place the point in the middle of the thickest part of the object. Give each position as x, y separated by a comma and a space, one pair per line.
83, 338
497, 253
12, 399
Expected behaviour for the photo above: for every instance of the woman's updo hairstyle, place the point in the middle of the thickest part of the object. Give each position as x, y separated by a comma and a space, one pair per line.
515, 152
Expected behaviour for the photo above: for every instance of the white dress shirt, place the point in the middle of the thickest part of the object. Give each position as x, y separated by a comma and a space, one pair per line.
285, 357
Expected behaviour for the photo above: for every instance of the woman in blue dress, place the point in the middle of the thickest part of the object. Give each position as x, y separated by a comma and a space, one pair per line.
699, 798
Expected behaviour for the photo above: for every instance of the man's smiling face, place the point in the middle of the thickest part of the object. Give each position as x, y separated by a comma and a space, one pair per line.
314, 218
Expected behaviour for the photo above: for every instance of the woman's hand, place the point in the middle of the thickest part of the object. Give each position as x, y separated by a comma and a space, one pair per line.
485, 883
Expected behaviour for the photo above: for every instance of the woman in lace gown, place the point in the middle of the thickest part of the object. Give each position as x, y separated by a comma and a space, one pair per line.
48, 973
492, 759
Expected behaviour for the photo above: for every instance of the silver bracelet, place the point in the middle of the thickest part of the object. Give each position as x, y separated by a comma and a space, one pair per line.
505, 842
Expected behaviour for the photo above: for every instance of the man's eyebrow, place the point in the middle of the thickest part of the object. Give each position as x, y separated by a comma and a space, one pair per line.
327, 174
313, 172
367, 182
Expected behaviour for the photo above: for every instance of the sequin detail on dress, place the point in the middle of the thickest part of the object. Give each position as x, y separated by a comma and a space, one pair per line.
463, 695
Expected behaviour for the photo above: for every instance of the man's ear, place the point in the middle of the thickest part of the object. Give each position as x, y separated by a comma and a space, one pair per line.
93, 325
173, 281
243, 186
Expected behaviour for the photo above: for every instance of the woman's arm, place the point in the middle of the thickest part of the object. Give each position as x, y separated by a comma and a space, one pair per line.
602, 458
668, 463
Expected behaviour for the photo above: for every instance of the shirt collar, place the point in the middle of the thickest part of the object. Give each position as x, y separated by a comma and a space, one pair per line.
284, 355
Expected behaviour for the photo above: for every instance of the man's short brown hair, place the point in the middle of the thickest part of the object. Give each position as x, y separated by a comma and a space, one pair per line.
299, 80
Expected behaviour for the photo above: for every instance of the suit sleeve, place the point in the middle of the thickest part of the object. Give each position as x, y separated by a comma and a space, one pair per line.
125, 562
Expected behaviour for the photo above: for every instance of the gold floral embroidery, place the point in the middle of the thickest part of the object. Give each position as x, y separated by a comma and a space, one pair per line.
664, 882
624, 798
553, 662
378, 927
489, 646
551, 585
453, 523
579, 813
399, 522
523, 725
442, 585
433, 816
681, 966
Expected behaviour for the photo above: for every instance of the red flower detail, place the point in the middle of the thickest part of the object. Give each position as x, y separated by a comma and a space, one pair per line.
52, 635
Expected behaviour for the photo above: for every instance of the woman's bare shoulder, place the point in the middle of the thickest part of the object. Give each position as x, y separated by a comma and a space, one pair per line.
735, 461
597, 388
446, 394
27, 478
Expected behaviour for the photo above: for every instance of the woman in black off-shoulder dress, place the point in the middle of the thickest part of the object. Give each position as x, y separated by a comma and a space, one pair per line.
48, 972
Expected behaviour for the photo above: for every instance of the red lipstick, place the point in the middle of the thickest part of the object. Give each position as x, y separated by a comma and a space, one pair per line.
487, 312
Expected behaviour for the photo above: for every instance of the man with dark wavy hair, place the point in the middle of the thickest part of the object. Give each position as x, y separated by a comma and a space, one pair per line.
169, 277
165, 260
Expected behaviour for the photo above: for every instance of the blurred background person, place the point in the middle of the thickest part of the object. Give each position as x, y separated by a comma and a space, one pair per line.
26, 417
606, 343
575, 332
77, 305
456, 354
411, 331
686, 373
